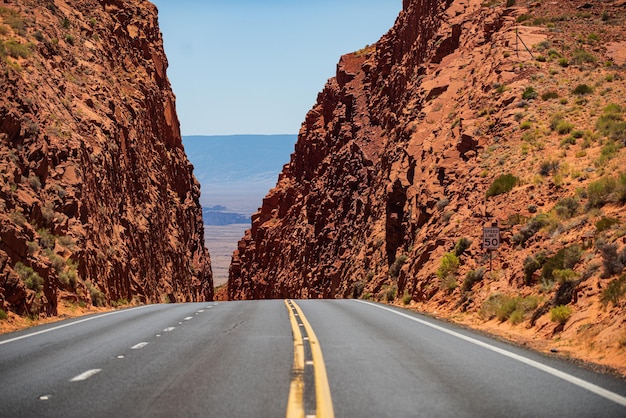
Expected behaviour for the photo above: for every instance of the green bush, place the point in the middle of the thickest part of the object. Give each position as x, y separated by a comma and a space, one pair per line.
390, 293
15, 49
30, 277
567, 207
531, 228
357, 289
462, 245
46, 238
550, 95
582, 90
548, 167
97, 297
529, 93
14, 19
526, 125
564, 127
614, 291
513, 308
3, 315
565, 258
395, 267
599, 192
583, 57
560, 314
611, 123
532, 263
449, 265
406, 299
503, 184
472, 277
606, 223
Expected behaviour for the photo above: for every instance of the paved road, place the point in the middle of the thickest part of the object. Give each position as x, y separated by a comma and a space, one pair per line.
236, 359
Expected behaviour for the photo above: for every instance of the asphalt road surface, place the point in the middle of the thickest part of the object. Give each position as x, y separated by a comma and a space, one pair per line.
276, 358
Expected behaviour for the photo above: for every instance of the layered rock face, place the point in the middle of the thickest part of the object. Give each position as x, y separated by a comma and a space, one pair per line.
98, 202
466, 114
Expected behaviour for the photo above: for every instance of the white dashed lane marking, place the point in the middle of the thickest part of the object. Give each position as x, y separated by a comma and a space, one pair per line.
138, 346
85, 375
168, 329
188, 318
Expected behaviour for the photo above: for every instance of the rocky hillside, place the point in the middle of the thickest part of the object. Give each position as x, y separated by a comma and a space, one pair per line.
98, 203
465, 114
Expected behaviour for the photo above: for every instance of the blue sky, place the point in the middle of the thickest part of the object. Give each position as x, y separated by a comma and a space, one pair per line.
255, 67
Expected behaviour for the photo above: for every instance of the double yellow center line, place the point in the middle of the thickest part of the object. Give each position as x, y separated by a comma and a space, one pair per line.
307, 357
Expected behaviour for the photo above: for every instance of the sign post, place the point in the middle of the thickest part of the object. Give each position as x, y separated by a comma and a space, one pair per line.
491, 241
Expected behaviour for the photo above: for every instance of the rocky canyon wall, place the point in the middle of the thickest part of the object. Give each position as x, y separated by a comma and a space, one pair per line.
466, 114
98, 203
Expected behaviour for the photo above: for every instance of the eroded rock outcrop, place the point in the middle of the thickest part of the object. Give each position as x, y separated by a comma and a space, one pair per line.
98, 202
465, 114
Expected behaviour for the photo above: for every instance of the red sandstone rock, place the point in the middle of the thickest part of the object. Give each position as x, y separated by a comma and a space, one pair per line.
91, 157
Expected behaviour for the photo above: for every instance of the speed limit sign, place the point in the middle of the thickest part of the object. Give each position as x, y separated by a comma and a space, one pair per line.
491, 238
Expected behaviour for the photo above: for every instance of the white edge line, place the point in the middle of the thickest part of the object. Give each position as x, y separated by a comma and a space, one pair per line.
85, 375
612, 396
21, 337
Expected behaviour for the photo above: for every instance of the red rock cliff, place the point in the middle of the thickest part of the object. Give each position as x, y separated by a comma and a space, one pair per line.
97, 198
465, 114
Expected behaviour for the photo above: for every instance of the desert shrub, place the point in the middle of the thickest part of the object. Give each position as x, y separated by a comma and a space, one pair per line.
46, 238
448, 266
462, 245
3, 315
605, 223
30, 277
513, 308
357, 289
599, 192
406, 299
472, 277
550, 95
565, 258
442, 203
565, 276
395, 267
390, 293
69, 277
14, 19
16, 50
583, 57
567, 207
563, 62
582, 90
529, 93
611, 123
510, 3
97, 297
531, 228
366, 296
614, 291
57, 262
612, 261
560, 314
532, 263
524, 126
548, 167
503, 184
564, 127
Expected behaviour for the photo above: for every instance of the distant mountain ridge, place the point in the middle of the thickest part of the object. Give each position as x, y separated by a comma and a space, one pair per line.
236, 171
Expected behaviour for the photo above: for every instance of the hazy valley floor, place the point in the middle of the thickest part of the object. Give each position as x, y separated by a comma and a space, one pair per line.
221, 242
